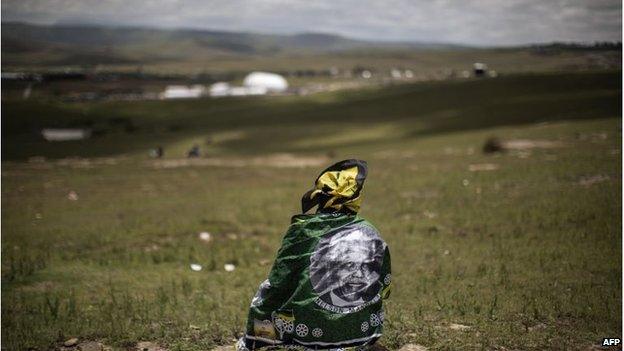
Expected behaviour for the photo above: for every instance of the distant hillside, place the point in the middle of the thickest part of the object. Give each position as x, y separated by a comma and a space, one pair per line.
25, 44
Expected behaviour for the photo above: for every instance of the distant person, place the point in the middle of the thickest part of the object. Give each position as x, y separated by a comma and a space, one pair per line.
331, 274
193, 152
158, 152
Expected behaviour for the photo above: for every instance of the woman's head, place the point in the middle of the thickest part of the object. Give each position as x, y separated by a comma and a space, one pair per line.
337, 188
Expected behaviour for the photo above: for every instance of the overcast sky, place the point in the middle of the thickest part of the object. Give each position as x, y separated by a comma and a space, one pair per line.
475, 22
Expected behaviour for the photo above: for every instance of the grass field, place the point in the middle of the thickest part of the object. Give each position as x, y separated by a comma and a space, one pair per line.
523, 248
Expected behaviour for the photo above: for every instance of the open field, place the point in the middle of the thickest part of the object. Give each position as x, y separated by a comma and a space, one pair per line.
522, 248
425, 63
304, 73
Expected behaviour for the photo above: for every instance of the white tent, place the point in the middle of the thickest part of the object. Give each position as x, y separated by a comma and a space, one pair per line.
244, 91
271, 82
220, 89
182, 92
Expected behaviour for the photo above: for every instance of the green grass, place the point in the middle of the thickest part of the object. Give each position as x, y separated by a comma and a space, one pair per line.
273, 124
189, 60
527, 255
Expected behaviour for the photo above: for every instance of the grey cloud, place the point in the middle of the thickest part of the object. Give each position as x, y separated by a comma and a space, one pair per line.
479, 22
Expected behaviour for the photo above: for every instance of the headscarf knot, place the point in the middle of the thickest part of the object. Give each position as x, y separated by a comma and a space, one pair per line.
337, 188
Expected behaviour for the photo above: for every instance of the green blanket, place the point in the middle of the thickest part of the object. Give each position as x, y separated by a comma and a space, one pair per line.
326, 287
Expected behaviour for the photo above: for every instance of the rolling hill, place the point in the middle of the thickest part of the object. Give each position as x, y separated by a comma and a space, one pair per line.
82, 44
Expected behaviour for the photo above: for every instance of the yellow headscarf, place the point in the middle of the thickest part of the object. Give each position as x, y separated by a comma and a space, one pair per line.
337, 189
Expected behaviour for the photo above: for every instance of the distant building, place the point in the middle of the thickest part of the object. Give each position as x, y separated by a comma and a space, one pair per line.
33, 77
183, 92
13, 76
219, 89
257, 82
480, 69
245, 91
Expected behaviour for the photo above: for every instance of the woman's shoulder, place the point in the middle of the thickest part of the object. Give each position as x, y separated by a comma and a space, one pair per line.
321, 222
325, 220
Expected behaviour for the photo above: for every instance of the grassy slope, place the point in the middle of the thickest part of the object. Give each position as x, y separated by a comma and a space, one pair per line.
294, 123
33, 46
525, 255
424, 63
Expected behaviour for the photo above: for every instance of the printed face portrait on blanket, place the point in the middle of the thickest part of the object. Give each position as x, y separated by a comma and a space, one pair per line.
346, 265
